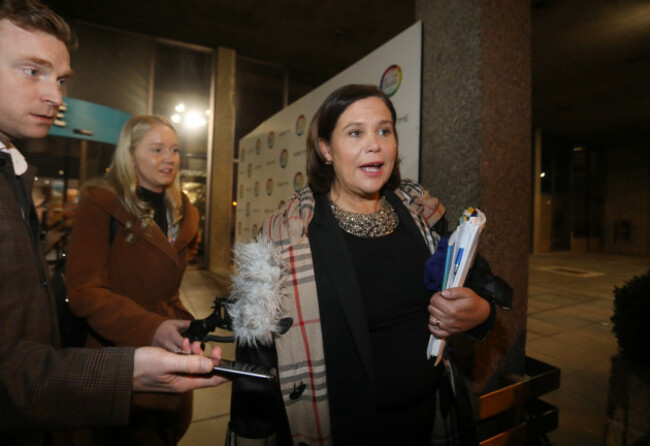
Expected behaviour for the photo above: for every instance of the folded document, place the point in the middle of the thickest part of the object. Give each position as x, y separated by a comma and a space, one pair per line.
461, 251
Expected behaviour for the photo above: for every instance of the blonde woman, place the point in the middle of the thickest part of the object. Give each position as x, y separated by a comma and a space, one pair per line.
133, 236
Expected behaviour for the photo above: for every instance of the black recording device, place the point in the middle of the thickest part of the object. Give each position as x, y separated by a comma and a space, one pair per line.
199, 330
233, 369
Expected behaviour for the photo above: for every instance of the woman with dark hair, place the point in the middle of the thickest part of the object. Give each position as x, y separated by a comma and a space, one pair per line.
353, 244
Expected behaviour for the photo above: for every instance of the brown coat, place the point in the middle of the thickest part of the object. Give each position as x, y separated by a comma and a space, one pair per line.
42, 387
125, 288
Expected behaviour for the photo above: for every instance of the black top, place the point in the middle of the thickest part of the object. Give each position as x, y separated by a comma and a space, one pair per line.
157, 202
390, 272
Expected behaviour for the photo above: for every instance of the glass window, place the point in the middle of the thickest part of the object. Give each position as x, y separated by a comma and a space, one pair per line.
182, 93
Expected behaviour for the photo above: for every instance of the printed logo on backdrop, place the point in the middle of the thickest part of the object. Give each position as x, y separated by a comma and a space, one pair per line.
242, 155
301, 124
270, 140
269, 186
241, 191
256, 188
284, 158
249, 170
298, 182
248, 209
391, 80
258, 146
239, 228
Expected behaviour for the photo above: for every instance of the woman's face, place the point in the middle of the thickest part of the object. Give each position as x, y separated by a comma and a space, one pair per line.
363, 151
156, 158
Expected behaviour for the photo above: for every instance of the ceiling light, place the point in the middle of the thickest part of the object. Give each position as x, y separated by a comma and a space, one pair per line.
194, 119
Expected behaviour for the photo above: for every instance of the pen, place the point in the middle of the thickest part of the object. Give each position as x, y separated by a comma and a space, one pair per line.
459, 256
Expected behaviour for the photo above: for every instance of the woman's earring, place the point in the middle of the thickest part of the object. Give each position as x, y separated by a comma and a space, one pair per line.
328, 161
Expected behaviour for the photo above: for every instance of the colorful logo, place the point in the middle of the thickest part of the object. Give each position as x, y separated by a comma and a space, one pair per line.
248, 209
242, 155
270, 140
256, 188
391, 80
301, 124
284, 158
258, 146
269, 186
298, 182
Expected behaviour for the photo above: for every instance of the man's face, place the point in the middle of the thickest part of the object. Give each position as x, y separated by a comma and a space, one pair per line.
33, 68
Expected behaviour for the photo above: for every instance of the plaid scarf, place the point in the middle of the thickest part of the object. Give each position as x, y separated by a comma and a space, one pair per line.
301, 361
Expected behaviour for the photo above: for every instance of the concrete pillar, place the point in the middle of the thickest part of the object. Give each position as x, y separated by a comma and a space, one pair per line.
221, 164
476, 150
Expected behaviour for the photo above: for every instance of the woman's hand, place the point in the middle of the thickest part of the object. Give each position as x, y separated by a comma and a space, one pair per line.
168, 336
456, 310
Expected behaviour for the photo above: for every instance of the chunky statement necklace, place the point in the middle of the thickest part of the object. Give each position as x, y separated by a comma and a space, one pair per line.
378, 224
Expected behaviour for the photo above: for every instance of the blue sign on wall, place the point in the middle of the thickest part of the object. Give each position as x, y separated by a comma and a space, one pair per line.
86, 120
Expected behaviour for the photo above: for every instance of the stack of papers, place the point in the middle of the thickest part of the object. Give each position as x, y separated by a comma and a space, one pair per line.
461, 251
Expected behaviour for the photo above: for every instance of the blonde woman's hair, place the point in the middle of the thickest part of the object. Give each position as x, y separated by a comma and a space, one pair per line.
121, 176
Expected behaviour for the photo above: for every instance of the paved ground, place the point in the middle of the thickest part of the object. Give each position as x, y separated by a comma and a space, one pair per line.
570, 302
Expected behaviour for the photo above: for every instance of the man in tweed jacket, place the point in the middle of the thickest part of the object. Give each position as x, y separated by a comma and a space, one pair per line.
44, 388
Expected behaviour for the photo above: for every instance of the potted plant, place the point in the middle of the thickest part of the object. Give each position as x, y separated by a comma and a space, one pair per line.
628, 406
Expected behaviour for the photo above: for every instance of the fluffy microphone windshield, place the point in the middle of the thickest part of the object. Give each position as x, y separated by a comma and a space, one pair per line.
257, 293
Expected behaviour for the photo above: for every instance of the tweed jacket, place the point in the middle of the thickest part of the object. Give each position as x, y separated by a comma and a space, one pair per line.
304, 239
125, 288
43, 388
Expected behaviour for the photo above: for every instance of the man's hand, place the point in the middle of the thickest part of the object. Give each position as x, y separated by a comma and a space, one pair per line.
456, 310
157, 370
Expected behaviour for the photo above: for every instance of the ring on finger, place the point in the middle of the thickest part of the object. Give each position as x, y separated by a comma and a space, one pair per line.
436, 324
